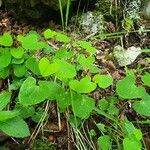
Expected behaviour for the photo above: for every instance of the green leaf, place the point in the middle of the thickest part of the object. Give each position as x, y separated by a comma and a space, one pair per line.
86, 63
63, 53
126, 88
104, 142
4, 99
25, 111
48, 34
15, 127
30, 42
146, 79
138, 134
17, 61
4, 73
5, 115
32, 64
63, 99
142, 107
16, 84
82, 105
103, 104
103, 81
83, 86
130, 144
20, 70
31, 94
62, 38
5, 57
66, 69
85, 45
53, 89
6, 39
47, 69
113, 110
17, 52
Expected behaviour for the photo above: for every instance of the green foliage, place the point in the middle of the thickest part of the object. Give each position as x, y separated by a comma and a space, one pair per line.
4, 99
128, 84
103, 81
67, 75
6, 39
104, 142
15, 127
83, 86
47, 69
146, 79
82, 105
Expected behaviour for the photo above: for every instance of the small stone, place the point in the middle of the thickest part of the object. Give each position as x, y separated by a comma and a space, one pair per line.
125, 57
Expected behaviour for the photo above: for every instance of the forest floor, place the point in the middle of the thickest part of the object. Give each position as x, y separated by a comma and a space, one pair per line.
104, 48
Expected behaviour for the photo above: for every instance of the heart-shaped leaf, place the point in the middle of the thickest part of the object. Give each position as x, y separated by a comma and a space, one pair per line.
30, 42
48, 34
63, 99
104, 142
127, 89
47, 69
6, 39
103, 81
31, 94
66, 69
142, 107
15, 127
83, 86
85, 62
130, 144
20, 70
146, 79
4, 99
17, 52
85, 45
5, 57
82, 105
32, 64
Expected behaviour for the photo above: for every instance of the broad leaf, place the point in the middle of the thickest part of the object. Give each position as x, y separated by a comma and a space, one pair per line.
103, 81
146, 79
5, 57
83, 86
31, 94
130, 144
6, 39
82, 105
104, 142
32, 64
17, 52
4, 99
66, 69
85, 45
20, 70
143, 107
48, 34
127, 89
5, 115
30, 42
15, 127
47, 69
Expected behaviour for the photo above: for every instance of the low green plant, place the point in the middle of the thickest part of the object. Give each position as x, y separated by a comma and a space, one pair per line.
67, 75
